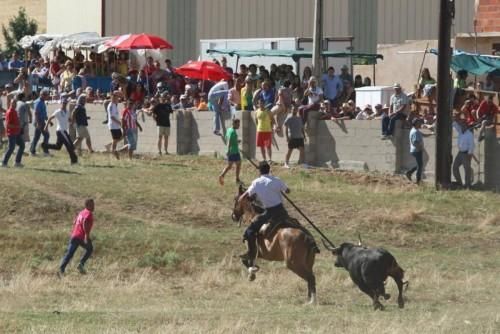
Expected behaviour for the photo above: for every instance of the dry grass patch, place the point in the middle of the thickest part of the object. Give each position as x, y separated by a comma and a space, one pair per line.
166, 250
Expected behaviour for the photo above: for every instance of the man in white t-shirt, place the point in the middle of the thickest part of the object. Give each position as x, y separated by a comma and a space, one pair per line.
268, 190
398, 110
62, 117
218, 102
114, 123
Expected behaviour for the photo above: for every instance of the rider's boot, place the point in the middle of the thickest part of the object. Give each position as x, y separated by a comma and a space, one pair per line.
252, 250
248, 258
252, 255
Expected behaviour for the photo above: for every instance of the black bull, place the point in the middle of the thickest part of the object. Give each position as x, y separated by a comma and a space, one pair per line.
369, 268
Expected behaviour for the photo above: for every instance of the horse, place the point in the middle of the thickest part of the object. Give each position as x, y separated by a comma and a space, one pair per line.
288, 241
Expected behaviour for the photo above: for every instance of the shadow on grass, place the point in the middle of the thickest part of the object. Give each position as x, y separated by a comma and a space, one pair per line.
100, 166
175, 165
59, 171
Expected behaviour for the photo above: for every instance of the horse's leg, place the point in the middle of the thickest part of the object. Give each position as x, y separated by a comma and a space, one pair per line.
309, 277
254, 253
311, 282
311, 286
304, 271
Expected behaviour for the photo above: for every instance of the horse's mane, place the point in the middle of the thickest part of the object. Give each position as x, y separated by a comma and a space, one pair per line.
257, 207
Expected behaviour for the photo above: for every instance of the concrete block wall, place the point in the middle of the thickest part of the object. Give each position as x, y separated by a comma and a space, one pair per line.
203, 141
147, 140
353, 140
329, 143
249, 136
486, 151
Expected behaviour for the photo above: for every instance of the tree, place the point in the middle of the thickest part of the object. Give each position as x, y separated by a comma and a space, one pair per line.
18, 27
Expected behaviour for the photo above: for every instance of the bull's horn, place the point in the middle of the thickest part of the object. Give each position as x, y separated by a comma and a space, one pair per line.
360, 242
327, 246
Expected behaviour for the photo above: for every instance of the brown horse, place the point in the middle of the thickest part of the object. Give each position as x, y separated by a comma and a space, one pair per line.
289, 242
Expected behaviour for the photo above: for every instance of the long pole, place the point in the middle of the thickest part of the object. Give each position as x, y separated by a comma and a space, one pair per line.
443, 133
147, 76
422, 63
475, 47
374, 78
237, 62
317, 38
296, 208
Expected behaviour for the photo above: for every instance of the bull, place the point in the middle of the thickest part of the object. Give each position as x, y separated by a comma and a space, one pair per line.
369, 269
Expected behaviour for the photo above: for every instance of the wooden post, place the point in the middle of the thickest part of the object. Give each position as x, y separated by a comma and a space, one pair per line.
317, 38
443, 127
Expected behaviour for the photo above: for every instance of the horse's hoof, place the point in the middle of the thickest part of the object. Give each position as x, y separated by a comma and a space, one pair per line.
312, 301
253, 269
378, 306
251, 273
401, 303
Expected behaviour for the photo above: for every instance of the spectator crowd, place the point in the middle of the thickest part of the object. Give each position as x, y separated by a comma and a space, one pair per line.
281, 99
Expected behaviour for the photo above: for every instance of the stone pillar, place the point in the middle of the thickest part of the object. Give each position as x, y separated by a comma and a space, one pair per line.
311, 146
184, 119
244, 133
491, 160
401, 146
247, 135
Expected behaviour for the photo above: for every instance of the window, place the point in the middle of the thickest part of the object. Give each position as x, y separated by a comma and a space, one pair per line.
495, 50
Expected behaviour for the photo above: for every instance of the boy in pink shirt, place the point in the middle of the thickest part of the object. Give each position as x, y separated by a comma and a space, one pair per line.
80, 236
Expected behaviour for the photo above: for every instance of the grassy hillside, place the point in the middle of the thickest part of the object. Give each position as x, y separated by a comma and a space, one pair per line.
165, 257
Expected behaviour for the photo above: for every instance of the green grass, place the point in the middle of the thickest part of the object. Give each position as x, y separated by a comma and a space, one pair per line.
166, 250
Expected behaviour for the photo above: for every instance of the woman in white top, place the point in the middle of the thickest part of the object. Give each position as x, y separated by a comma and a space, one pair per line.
314, 96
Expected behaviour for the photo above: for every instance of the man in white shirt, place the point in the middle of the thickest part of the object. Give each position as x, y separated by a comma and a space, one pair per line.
114, 123
365, 114
398, 110
62, 117
465, 144
268, 190
218, 102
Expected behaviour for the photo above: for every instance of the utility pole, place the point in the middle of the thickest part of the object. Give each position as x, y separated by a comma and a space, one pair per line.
443, 127
317, 60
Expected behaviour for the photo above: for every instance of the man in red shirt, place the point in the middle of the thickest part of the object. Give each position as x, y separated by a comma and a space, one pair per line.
486, 114
80, 236
469, 113
13, 127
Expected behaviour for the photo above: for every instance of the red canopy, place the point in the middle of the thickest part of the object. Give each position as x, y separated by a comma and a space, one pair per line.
204, 70
138, 41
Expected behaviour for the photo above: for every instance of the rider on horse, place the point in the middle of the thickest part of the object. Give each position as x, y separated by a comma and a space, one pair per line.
268, 190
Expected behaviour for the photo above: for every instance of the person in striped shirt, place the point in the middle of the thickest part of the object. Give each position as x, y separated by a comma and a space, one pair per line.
130, 126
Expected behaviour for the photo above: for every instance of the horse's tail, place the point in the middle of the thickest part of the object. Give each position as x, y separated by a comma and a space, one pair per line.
309, 239
311, 243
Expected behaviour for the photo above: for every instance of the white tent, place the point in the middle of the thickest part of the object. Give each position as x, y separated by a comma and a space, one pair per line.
48, 43
39, 40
